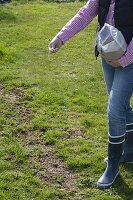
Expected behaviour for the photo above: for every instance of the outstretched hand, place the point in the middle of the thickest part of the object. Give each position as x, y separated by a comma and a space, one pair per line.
55, 45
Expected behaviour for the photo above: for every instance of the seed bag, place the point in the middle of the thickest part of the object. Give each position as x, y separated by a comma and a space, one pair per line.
110, 42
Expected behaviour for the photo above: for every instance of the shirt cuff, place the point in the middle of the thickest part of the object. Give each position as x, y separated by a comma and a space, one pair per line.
123, 61
127, 58
62, 37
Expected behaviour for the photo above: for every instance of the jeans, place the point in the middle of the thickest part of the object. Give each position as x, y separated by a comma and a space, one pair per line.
119, 82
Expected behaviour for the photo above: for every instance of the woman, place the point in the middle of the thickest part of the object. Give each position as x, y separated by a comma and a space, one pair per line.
118, 75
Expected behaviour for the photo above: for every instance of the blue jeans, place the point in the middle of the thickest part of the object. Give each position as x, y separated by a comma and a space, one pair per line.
119, 83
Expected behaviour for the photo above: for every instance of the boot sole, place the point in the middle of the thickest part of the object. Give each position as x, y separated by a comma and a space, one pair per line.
105, 186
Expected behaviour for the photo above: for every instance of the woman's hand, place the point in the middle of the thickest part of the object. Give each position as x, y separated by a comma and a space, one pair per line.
55, 45
114, 63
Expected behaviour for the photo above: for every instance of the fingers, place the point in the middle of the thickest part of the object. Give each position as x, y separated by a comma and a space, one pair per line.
55, 45
53, 50
114, 63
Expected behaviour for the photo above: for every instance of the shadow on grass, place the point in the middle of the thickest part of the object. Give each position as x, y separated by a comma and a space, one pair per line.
122, 188
7, 15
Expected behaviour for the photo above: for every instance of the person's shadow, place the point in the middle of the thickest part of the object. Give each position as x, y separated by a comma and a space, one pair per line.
121, 187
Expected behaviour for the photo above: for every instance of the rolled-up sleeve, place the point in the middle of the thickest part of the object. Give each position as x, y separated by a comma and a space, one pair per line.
84, 16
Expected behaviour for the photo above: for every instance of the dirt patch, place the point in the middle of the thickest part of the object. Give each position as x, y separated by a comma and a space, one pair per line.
15, 98
75, 133
52, 170
2, 90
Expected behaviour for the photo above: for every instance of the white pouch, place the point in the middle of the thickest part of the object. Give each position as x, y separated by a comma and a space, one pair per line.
110, 42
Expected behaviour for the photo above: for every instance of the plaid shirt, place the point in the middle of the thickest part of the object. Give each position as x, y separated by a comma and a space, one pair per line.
84, 16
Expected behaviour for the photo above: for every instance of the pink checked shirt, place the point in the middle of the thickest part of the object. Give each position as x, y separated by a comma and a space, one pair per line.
84, 16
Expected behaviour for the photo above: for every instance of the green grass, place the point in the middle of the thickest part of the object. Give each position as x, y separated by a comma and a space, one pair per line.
52, 109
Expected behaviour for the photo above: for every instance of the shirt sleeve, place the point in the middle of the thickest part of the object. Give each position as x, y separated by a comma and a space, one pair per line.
127, 58
84, 16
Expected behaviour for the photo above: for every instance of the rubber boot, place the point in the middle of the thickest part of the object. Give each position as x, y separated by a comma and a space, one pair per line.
112, 169
127, 156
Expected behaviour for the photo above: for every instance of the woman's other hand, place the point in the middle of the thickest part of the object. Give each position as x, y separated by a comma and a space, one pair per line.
114, 63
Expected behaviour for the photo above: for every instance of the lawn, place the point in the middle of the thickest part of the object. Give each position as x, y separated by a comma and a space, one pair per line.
53, 124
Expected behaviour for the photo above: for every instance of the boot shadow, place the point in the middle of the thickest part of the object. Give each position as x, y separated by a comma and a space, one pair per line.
128, 167
122, 188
